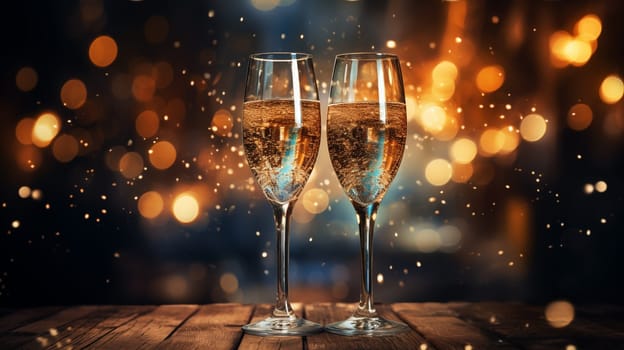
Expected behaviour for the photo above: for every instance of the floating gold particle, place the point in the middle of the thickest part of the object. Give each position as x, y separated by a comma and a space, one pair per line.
103, 51
73, 94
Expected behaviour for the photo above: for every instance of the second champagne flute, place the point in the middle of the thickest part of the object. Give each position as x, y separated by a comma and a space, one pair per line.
366, 132
281, 138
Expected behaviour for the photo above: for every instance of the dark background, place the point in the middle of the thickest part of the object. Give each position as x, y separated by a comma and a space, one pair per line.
520, 239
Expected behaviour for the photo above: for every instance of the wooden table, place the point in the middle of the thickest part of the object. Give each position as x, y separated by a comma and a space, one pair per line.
218, 326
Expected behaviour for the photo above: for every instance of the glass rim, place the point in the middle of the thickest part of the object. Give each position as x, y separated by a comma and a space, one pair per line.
278, 56
366, 56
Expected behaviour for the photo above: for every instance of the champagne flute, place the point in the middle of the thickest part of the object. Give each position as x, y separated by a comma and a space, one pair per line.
281, 137
366, 131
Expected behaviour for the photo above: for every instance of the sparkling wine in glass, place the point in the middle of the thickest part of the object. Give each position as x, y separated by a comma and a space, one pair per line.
366, 132
281, 137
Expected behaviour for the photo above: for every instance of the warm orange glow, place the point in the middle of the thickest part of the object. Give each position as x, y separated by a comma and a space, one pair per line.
443, 90
490, 78
558, 42
463, 151
131, 165
103, 51
143, 88
228, 282
577, 52
443, 71
156, 29
611, 89
315, 200
588, 28
462, 172
533, 127
185, 207
26, 79
491, 142
65, 148
45, 129
113, 156
222, 122
23, 131
559, 313
162, 155
147, 123
512, 140
433, 118
73, 94
150, 204
580, 117
438, 172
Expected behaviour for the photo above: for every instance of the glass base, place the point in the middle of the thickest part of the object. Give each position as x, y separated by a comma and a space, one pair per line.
357, 325
282, 326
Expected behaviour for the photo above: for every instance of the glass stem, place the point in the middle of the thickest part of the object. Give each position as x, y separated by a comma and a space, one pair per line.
366, 215
282, 212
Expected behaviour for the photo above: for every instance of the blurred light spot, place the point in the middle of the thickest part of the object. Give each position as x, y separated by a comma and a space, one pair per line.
380, 278
150, 204
24, 192
131, 165
443, 90
450, 237
579, 117
185, 207
175, 287
511, 140
491, 141
577, 52
443, 71
36, 194
490, 78
156, 29
45, 129
588, 188
601, 186
26, 79
532, 127
222, 122
438, 172
463, 151
103, 51
73, 94
559, 41
264, 5
391, 44
228, 282
588, 28
65, 148
433, 118
24, 131
570, 347
315, 200
147, 123
462, 172
559, 313
162, 155
113, 156
143, 88
427, 240
15, 224
611, 89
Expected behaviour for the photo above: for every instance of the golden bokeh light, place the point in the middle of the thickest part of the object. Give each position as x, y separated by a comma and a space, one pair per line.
24, 192
143, 88
511, 141
26, 79
315, 200
433, 118
73, 94
491, 142
559, 313
265, 5
65, 148
150, 204
579, 117
156, 29
577, 52
463, 151
131, 165
162, 155
558, 42
490, 78
45, 129
113, 156
185, 207
438, 172
588, 28
222, 122
228, 283
23, 131
443, 90
443, 71
533, 127
147, 123
611, 89
103, 51
462, 172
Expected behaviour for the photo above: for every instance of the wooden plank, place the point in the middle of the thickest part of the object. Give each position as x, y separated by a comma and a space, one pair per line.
256, 342
214, 327
327, 313
20, 317
148, 330
57, 321
437, 323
